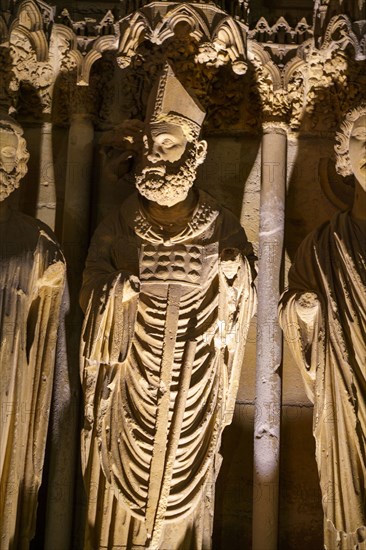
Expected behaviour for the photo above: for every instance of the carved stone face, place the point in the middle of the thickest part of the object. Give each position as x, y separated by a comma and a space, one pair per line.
8, 161
8, 151
169, 164
357, 150
13, 158
166, 142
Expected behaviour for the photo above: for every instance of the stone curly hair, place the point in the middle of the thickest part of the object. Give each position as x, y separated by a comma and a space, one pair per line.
343, 162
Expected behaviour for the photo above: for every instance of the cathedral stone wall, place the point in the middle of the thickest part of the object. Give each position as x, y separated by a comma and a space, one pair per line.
298, 78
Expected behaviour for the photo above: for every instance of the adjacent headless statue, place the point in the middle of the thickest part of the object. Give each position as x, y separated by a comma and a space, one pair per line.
32, 275
323, 314
168, 297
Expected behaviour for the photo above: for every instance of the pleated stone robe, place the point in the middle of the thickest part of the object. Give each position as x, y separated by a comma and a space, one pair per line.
160, 372
327, 334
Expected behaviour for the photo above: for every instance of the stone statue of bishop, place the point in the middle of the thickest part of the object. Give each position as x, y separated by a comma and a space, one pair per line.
168, 296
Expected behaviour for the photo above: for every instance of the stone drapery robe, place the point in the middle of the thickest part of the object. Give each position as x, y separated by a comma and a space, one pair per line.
32, 279
331, 352
160, 371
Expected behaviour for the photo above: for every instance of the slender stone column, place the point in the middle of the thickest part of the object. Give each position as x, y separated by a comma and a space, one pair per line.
269, 340
77, 193
38, 196
66, 414
46, 203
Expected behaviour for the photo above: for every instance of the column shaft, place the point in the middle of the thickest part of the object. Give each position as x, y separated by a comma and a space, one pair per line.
269, 341
66, 414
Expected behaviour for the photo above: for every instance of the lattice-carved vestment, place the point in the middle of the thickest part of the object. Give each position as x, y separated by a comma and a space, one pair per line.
160, 371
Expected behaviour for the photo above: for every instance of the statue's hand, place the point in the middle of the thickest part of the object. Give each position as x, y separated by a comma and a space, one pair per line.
131, 287
53, 275
126, 137
307, 307
135, 283
121, 145
230, 261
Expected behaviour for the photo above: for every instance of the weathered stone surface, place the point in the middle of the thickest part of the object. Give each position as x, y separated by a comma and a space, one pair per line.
32, 278
323, 316
168, 296
60, 61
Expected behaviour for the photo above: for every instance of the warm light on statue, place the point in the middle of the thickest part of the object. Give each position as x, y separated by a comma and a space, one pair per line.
164, 275
326, 303
32, 277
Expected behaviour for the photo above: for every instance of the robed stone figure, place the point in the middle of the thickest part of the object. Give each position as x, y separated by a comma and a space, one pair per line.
323, 314
32, 278
168, 296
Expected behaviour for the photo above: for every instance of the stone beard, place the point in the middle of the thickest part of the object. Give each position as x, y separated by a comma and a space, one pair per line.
159, 183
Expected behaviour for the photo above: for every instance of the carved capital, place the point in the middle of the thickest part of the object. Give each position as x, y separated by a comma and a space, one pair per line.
272, 73
221, 39
280, 128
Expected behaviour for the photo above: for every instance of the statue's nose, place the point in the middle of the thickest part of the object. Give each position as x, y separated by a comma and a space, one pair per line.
7, 163
154, 155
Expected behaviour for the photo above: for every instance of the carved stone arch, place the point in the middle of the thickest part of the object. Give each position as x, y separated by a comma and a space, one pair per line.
37, 39
66, 35
77, 58
294, 78
228, 33
102, 44
29, 16
340, 24
84, 66
83, 63
183, 13
263, 60
29, 21
32, 78
296, 64
132, 32
157, 24
105, 43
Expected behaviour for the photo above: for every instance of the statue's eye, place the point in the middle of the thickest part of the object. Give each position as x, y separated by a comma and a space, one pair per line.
8, 151
167, 142
359, 133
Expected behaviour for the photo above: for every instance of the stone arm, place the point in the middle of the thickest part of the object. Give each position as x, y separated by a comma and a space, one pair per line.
121, 146
301, 315
109, 297
237, 305
102, 275
235, 238
31, 289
